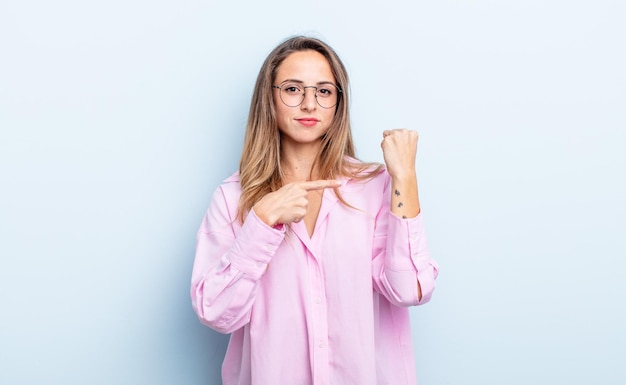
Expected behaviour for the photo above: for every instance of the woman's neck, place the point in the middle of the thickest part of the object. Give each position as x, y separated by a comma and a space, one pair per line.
299, 164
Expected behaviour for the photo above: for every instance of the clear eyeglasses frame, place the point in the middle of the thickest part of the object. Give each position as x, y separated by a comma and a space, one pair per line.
292, 94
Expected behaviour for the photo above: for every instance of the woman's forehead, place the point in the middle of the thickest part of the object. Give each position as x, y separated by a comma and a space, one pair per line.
306, 67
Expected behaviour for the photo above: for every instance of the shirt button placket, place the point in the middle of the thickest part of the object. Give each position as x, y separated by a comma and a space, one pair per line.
320, 326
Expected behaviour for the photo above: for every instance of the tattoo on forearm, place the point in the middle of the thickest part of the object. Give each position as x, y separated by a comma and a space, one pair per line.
400, 204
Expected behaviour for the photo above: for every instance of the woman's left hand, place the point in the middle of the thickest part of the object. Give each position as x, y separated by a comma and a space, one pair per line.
399, 151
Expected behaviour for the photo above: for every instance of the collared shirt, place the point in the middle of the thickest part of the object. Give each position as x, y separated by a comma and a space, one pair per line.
330, 309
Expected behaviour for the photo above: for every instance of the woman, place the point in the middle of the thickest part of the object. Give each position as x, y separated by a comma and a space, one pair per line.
306, 255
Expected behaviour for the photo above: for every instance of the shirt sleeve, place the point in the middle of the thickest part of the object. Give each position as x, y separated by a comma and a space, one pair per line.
229, 264
402, 259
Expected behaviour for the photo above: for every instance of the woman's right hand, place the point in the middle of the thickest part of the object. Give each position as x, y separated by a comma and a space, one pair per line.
289, 203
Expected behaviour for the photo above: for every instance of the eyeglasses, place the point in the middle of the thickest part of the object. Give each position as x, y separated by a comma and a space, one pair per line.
292, 94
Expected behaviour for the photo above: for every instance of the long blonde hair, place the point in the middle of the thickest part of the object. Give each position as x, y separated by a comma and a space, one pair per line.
260, 170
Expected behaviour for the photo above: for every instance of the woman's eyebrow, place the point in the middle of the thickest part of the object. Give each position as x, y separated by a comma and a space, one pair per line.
301, 82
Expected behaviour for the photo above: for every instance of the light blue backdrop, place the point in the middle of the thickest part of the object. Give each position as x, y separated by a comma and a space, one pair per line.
119, 118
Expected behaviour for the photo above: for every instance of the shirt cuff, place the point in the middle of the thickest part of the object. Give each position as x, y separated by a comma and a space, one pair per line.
406, 236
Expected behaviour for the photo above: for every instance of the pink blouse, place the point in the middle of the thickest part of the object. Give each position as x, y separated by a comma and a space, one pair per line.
325, 310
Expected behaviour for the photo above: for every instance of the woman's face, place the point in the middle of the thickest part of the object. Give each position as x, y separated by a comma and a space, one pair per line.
307, 122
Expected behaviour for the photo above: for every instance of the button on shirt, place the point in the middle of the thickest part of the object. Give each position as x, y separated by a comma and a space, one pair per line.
330, 309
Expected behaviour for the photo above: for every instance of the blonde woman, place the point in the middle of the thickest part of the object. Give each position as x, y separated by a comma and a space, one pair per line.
307, 256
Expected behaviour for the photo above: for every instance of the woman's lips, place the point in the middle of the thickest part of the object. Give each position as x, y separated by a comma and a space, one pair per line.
309, 122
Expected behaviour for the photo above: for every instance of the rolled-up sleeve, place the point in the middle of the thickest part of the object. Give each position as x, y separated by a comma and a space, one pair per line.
401, 258
407, 261
228, 266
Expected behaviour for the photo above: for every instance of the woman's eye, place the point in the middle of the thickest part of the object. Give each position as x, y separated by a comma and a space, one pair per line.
292, 89
324, 92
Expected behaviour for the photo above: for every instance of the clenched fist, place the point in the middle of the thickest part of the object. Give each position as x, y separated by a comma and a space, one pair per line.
399, 151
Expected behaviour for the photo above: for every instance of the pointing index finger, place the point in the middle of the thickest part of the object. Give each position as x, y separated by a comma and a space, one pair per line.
320, 184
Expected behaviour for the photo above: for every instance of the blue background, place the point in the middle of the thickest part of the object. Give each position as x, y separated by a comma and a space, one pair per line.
118, 119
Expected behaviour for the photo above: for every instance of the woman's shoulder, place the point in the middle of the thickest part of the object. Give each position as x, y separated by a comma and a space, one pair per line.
233, 178
230, 187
